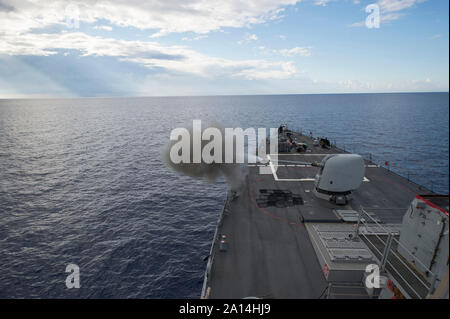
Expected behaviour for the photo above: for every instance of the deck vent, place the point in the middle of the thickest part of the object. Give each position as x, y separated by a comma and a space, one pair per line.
348, 215
278, 198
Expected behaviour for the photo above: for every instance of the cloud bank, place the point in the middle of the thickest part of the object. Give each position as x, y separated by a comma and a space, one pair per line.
24, 31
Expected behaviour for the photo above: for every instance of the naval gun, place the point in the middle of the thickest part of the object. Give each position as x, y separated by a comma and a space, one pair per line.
338, 176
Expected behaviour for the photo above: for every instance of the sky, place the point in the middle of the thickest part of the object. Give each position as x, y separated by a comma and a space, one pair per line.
94, 48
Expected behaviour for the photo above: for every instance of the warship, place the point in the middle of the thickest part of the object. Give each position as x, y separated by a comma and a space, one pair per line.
328, 224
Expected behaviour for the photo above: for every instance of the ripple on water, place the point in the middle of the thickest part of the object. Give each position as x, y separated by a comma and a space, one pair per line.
81, 181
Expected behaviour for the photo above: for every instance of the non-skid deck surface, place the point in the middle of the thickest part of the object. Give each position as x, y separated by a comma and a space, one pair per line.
269, 251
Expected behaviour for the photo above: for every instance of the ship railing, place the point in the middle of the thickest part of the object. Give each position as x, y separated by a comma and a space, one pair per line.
389, 249
398, 168
207, 277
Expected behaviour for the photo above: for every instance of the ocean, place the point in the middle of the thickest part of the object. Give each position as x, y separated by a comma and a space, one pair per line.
82, 181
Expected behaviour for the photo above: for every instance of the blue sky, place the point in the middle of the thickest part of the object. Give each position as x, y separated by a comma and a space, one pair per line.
207, 47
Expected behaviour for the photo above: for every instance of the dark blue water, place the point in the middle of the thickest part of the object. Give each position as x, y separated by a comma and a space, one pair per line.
81, 181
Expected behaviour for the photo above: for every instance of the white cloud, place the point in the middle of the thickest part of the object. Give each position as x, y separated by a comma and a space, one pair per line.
149, 54
103, 27
302, 51
248, 38
267, 70
321, 2
196, 38
358, 24
384, 18
356, 85
397, 5
390, 10
391, 17
23, 23
251, 37
165, 16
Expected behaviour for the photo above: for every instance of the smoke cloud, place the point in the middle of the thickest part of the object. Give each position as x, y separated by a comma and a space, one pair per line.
234, 173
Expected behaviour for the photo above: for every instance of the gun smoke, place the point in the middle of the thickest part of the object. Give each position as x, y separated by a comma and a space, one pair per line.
234, 173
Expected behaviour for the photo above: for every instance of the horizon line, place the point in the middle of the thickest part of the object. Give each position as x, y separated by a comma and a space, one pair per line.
206, 95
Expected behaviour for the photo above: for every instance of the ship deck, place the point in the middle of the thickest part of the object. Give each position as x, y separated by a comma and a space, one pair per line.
269, 253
